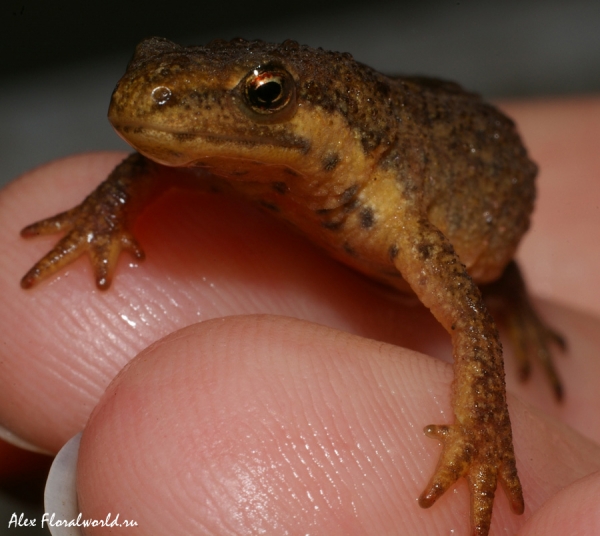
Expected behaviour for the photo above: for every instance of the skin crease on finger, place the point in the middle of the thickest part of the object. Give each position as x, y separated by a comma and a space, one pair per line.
252, 427
68, 412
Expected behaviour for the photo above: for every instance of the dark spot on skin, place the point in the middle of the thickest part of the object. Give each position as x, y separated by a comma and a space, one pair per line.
291, 172
367, 218
269, 206
349, 249
330, 161
393, 251
184, 137
333, 225
351, 205
304, 146
349, 193
425, 251
280, 187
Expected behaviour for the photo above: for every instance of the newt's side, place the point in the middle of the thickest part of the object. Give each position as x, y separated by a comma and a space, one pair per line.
411, 181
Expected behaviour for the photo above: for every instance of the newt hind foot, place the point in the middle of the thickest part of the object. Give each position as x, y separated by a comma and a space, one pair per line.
531, 338
466, 453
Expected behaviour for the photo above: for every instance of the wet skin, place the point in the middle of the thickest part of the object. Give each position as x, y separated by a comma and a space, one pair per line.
411, 181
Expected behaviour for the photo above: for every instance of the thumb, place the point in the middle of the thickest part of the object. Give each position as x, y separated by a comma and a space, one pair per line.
253, 425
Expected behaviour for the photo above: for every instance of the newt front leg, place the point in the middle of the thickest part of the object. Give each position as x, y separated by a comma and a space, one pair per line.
101, 225
478, 445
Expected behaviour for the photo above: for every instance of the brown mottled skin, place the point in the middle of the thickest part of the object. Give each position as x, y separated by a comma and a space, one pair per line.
412, 181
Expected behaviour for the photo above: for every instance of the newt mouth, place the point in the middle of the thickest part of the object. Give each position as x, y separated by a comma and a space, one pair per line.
132, 133
171, 147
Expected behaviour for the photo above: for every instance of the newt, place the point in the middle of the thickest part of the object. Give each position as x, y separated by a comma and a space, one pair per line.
412, 181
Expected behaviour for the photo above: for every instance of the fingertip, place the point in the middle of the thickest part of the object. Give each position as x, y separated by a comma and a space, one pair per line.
517, 505
253, 423
437, 431
28, 232
28, 281
103, 283
427, 498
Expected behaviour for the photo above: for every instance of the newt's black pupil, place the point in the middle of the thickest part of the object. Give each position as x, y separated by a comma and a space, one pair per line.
268, 92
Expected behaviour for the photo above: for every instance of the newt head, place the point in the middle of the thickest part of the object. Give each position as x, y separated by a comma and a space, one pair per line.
283, 105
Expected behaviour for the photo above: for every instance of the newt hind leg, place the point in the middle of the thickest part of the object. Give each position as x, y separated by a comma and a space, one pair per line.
530, 336
478, 444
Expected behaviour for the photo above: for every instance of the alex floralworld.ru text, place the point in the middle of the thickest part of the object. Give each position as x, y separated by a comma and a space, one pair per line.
50, 520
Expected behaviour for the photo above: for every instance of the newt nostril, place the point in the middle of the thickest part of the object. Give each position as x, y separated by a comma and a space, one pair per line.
161, 95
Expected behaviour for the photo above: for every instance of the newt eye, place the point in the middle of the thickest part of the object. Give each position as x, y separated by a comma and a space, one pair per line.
267, 91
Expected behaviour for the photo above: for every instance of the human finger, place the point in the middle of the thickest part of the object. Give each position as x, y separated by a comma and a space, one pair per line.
267, 424
207, 256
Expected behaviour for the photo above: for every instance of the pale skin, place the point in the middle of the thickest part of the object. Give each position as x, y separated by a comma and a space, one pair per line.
257, 401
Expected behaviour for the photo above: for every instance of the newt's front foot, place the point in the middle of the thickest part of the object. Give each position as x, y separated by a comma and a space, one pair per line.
100, 225
484, 456
102, 240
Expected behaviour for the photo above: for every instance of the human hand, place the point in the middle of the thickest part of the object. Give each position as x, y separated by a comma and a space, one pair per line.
253, 423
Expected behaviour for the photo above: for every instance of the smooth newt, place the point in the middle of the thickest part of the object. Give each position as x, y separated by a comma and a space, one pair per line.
412, 181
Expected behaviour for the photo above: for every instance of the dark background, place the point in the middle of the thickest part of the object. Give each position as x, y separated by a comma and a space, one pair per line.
60, 59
